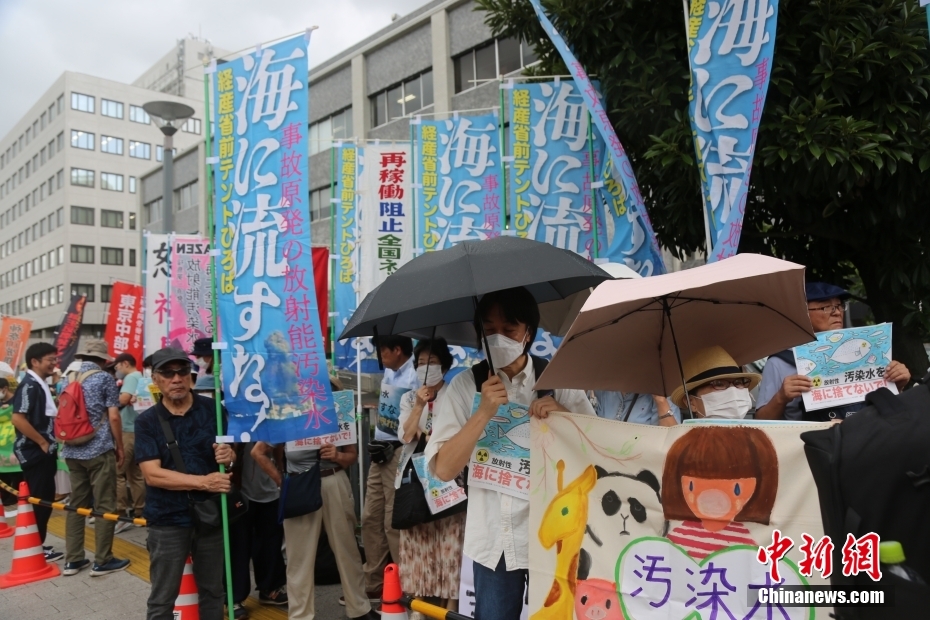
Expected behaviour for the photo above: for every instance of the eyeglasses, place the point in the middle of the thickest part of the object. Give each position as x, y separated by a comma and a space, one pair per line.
722, 384
171, 373
828, 310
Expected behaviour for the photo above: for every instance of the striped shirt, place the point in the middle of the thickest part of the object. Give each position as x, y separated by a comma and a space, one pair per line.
699, 542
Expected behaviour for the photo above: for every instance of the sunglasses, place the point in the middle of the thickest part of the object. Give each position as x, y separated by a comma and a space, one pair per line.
723, 384
170, 373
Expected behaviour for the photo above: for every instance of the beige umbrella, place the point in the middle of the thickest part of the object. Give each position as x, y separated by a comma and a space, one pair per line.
557, 316
632, 335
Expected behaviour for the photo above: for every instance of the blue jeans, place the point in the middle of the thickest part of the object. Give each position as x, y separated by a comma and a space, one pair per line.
499, 593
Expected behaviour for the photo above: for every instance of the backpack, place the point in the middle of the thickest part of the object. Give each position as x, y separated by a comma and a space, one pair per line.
72, 424
873, 475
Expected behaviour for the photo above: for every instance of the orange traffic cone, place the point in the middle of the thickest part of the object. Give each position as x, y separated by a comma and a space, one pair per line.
5, 530
187, 605
391, 608
28, 558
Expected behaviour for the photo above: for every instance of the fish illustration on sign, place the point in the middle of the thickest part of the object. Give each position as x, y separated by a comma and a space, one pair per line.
519, 412
825, 347
851, 351
805, 366
835, 337
519, 435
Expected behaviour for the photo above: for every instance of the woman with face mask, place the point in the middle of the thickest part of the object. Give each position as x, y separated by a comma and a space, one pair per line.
430, 553
717, 387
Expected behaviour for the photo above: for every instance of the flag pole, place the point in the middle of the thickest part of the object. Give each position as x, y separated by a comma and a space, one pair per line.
217, 356
591, 184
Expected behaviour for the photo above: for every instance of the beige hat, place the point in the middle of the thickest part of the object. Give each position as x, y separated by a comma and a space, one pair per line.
94, 348
707, 365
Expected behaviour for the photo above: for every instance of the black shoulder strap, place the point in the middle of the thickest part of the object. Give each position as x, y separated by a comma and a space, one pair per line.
786, 356
481, 371
172, 444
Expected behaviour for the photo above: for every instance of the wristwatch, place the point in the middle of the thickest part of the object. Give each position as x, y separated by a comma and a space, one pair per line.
667, 414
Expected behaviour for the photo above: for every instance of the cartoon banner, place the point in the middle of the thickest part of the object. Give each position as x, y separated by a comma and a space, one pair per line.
385, 213
649, 522
14, 334
631, 196
124, 333
500, 460
274, 368
845, 365
730, 46
347, 435
155, 277
69, 332
459, 173
190, 305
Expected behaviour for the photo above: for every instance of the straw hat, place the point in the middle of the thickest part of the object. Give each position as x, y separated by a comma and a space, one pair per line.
709, 364
94, 348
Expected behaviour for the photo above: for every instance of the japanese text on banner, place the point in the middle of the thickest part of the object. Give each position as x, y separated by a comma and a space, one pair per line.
501, 458
156, 275
730, 44
14, 335
274, 370
124, 331
191, 298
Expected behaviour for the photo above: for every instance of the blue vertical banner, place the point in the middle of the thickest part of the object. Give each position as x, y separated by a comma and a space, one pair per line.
621, 163
274, 369
348, 251
730, 47
459, 173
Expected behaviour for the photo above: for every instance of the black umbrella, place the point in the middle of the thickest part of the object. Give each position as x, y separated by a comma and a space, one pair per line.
442, 288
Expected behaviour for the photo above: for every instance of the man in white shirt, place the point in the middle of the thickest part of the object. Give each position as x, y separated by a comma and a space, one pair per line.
378, 537
497, 527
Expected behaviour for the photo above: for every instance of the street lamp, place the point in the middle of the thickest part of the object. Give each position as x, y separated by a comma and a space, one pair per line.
169, 116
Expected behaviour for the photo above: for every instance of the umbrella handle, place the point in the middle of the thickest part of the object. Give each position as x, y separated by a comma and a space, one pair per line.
484, 338
374, 330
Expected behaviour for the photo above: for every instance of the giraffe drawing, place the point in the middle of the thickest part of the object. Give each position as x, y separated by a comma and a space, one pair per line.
563, 525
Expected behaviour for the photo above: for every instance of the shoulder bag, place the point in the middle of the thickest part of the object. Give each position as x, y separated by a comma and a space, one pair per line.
301, 493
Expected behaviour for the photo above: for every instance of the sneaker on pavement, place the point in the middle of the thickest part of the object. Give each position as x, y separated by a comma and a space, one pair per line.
239, 611
51, 555
73, 568
342, 601
112, 566
275, 597
374, 597
91, 520
121, 527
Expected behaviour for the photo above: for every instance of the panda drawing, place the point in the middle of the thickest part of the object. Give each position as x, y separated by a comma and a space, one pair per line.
621, 508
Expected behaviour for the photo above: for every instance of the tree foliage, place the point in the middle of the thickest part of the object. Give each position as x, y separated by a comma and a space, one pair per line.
841, 177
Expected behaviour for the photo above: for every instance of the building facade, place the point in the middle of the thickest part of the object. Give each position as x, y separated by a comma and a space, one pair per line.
69, 182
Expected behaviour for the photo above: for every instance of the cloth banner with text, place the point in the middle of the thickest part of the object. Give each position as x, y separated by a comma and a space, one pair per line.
730, 46
124, 333
654, 523
14, 335
156, 275
274, 368
190, 306
69, 332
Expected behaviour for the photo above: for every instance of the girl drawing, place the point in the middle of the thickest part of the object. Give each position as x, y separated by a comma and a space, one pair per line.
715, 479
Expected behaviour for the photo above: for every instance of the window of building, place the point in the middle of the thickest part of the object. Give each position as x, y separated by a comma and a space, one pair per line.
83, 103
186, 197
152, 211
191, 125
43, 262
42, 156
132, 185
51, 256
160, 152
61, 255
28, 135
82, 140
51, 148
60, 178
402, 99
113, 109
138, 115
319, 204
132, 258
140, 150
110, 181
60, 141
51, 113
336, 127
61, 293
106, 293
83, 289
132, 221
111, 256
82, 215
82, 177
490, 61
111, 145
82, 254
111, 219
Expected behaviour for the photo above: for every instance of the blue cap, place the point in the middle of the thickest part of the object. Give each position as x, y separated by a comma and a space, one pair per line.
820, 291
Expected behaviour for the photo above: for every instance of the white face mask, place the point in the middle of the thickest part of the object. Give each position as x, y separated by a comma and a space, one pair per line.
730, 404
147, 373
201, 364
504, 351
431, 377
120, 374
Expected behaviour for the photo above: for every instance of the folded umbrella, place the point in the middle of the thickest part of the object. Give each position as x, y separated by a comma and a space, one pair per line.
632, 335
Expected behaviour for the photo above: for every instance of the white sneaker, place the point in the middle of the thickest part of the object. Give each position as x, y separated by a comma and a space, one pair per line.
121, 526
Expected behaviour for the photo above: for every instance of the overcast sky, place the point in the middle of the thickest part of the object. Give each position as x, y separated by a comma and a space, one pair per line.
120, 39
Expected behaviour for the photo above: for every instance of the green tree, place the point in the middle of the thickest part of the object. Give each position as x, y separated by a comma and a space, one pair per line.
840, 181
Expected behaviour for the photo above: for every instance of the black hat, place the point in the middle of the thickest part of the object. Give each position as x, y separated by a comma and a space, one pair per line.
203, 347
168, 354
820, 291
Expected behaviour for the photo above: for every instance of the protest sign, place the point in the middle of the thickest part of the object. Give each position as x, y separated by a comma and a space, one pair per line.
69, 332
500, 460
155, 276
845, 365
190, 295
347, 435
440, 495
650, 522
124, 331
14, 334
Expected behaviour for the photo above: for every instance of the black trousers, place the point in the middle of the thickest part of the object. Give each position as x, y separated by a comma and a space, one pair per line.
41, 480
257, 537
12, 478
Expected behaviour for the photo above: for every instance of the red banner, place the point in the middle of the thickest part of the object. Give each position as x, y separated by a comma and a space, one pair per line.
14, 334
124, 324
321, 284
69, 332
